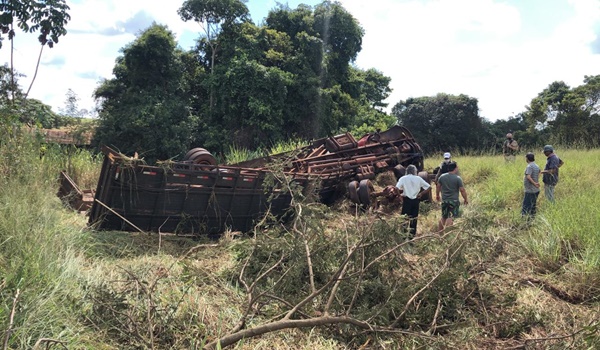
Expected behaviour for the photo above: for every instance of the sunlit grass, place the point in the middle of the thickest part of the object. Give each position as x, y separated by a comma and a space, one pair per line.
563, 232
287, 146
65, 273
237, 154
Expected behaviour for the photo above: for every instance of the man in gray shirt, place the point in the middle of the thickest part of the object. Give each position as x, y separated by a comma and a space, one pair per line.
449, 185
531, 185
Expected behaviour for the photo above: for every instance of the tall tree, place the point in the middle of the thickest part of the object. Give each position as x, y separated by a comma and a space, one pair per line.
213, 15
48, 17
145, 107
442, 122
71, 108
326, 42
342, 40
568, 114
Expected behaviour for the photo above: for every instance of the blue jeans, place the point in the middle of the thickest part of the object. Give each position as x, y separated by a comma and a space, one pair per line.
529, 204
549, 192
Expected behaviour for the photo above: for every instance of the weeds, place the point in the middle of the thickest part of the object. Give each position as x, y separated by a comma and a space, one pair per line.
493, 281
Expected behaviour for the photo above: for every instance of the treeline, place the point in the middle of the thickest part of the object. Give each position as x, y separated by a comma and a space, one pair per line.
251, 86
559, 114
243, 85
292, 77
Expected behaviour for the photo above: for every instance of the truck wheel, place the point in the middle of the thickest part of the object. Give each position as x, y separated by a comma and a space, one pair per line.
365, 188
353, 192
200, 156
425, 176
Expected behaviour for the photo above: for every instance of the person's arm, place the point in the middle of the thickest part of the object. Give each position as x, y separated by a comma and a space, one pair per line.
530, 179
426, 189
438, 189
463, 192
399, 184
552, 168
513, 145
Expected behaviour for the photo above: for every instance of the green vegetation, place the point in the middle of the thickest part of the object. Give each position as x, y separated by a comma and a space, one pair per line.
493, 280
329, 277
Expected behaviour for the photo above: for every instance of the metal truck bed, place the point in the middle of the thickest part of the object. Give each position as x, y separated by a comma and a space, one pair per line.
185, 197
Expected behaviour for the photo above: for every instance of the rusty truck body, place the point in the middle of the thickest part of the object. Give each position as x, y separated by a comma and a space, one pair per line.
198, 196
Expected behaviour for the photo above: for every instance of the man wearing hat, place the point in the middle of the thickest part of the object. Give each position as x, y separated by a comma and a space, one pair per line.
510, 148
443, 166
550, 172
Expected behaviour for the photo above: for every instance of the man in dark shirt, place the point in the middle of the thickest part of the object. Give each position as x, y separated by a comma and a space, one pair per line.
550, 172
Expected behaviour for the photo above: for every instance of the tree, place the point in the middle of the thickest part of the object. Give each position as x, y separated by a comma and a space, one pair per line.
442, 122
29, 111
49, 17
290, 78
324, 95
72, 106
144, 108
341, 35
568, 114
213, 15
544, 108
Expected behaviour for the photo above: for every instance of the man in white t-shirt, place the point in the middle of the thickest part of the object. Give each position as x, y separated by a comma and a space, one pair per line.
411, 185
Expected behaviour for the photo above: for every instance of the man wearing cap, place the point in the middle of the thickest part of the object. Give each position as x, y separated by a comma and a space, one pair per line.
443, 166
550, 172
510, 148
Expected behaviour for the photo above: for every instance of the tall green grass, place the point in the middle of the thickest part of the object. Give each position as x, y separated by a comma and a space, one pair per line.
83, 288
563, 235
40, 248
569, 228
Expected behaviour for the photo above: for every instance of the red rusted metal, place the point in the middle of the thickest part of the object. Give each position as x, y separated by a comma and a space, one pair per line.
188, 197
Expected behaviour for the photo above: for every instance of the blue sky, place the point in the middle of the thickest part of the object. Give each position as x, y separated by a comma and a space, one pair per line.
502, 52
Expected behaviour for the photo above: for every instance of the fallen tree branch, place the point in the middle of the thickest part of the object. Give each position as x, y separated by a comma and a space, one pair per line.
49, 341
286, 324
11, 319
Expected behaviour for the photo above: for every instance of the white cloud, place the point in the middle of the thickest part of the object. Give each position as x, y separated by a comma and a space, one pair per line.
482, 48
475, 47
88, 53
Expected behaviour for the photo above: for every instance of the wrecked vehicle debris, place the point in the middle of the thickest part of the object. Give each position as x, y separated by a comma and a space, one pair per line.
198, 196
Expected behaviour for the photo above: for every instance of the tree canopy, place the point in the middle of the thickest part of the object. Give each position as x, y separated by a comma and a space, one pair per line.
442, 122
293, 77
243, 84
145, 107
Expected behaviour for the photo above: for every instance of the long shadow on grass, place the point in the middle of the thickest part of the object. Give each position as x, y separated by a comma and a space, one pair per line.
119, 245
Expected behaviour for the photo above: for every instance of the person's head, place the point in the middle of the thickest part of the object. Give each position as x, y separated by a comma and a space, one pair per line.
530, 157
411, 170
452, 166
447, 157
548, 150
509, 136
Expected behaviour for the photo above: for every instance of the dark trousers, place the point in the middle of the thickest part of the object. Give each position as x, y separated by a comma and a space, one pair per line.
410, 208
529, 204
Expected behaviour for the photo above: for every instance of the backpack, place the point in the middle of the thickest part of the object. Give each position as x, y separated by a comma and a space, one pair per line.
444, 167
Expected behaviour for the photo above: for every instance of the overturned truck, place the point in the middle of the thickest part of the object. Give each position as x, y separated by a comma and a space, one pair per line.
199, 196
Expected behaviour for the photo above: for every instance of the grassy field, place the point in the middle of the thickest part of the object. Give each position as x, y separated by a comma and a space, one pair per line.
509, 283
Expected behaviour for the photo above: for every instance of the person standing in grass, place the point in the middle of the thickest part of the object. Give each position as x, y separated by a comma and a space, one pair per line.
443, 168
532, 186
450, 185
411, 186
550, 172
510, 148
